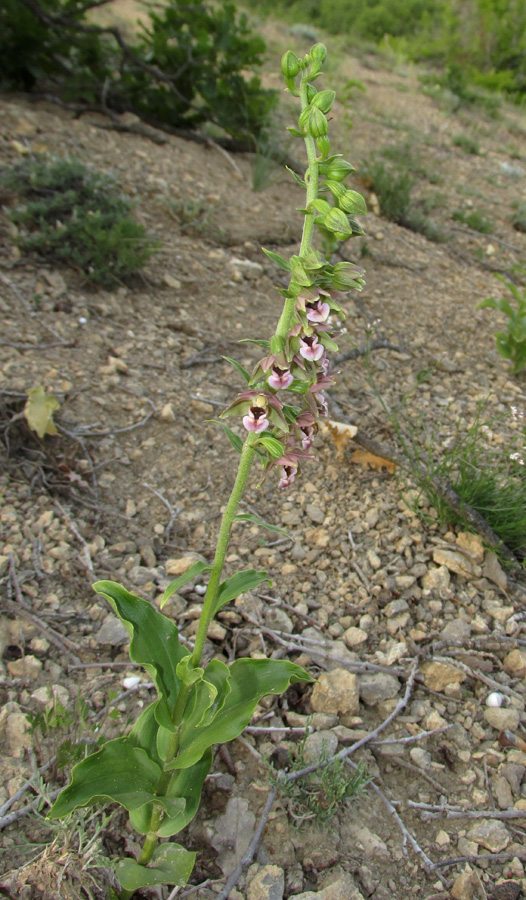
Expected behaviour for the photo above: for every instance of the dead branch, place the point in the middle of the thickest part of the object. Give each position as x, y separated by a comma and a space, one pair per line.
248, 856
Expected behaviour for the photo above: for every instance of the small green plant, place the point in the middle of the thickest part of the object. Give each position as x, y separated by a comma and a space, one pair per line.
467, 144
157, 770
393, 191
319, 797
511, 344
474, 219
69, 214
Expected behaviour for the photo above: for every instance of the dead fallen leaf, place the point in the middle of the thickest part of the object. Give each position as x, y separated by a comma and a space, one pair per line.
364, 458
39, 411
340, 433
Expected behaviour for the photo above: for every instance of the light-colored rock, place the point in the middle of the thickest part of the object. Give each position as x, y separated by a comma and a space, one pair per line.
456, 562
233, 832
420, 757
395, 652
515, 663
472, 544
395, 607
167, 413
442, 838
357, 837
268, 883
377, 687
50, 694
437, 581
502, 717
353, 637
468, 887
502, 792
336, 692
27, 667
491, 834
180, 565
341, 888
315, 514
437, 675
15, 730
112, 631
319, 744
493, 570
456, 630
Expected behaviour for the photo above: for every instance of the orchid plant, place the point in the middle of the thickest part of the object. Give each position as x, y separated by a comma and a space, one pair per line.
157, 771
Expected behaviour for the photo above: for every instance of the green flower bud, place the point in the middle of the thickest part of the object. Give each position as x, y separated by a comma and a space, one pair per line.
324, 100
319, 51
338, 169
311, 92
336, 188
352, 203
290, 64
316, 125
336, 221
324, 146
347, 276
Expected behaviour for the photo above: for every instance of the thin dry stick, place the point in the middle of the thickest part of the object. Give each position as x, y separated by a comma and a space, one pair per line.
413, 737
86, 558
428, 811
407, 834
474, 859
25, 811
421, 774
476, 673
248, 856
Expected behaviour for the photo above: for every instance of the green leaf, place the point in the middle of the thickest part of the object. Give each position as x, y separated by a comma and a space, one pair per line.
258, 343
234, 439
250, 517
170, 864
185, 784
154, 643
501, 304
279, 260
250, 680
298, 271
296, 178
196, 569
237, 584
39, 411
238, 367
119, 771
272, 444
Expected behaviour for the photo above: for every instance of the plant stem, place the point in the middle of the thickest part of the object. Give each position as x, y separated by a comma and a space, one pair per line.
243, 472
311, 179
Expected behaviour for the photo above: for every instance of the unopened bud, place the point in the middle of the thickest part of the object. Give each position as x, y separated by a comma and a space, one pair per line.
317, 125
290, 64
336, 221
338, 169
324, 100
319, 51
352, 203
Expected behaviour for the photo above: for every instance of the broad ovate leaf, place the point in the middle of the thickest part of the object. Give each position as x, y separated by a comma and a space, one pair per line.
249, 681
170, 864
39, 411
119, 771
154, 643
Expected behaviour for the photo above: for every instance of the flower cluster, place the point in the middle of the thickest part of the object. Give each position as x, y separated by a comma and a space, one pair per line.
286, 391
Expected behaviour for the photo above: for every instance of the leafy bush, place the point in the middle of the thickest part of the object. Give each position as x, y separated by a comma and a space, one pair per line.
74, 216
467, 144
393, 191
511, 344
474, 219
187, 65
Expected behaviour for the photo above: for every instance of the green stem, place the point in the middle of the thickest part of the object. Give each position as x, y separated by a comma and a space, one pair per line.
243, 472
286, 319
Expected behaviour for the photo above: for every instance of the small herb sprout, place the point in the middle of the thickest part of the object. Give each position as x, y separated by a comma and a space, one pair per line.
511, 344
157, 771
318, 797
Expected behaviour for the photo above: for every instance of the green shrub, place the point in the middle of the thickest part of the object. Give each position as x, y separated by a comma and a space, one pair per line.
186, 66
71, 215
393, 190
518, 217
467, 144
474, 219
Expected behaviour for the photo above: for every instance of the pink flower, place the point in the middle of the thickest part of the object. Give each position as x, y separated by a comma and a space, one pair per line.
310, 348
317, 311
256, 419
280, 379
288, 473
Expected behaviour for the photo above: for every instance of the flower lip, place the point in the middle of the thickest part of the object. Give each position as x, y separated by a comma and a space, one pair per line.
310, 348
317, 311
280, 379
256, 419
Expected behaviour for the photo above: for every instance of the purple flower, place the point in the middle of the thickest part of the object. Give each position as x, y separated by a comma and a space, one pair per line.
280, 379
310, 348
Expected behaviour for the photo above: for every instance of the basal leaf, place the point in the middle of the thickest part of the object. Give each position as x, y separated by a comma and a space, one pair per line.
232, 587
250, 680
119, 771
170, 864
250, 517
39, 411
154, 643
196, 569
